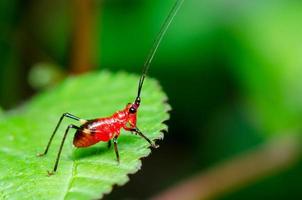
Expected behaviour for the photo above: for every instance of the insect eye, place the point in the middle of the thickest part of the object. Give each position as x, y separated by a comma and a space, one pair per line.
132, 110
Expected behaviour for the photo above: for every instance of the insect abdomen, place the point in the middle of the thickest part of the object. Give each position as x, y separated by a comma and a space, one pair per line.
82, 139
94, 131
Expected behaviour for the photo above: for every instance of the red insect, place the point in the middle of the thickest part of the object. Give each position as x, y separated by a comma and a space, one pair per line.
106, 129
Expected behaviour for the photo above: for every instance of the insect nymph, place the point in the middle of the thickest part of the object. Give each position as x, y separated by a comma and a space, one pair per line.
106, 129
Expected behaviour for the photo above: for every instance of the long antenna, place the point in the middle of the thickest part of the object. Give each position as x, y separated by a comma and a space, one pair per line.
156, 43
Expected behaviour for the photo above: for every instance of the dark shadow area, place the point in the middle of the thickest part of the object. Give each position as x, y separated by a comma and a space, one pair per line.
81, 153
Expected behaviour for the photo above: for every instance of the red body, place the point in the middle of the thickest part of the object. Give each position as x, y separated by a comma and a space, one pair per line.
105, 129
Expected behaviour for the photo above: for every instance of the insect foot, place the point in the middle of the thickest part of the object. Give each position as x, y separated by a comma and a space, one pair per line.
40, 154
155, 146
50, 173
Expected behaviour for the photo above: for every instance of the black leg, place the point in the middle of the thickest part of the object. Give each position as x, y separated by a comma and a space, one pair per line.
136, 130
109, 144
61, 147
116, 149
54, 132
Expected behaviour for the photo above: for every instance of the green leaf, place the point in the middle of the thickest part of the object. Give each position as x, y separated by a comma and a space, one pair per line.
85, 173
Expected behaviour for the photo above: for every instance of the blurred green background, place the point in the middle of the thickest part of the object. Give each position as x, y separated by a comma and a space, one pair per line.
231, 69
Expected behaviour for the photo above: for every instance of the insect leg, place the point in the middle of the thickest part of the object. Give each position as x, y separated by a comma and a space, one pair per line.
54, 132
136, 130
109, 144
61, 147
116, 149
